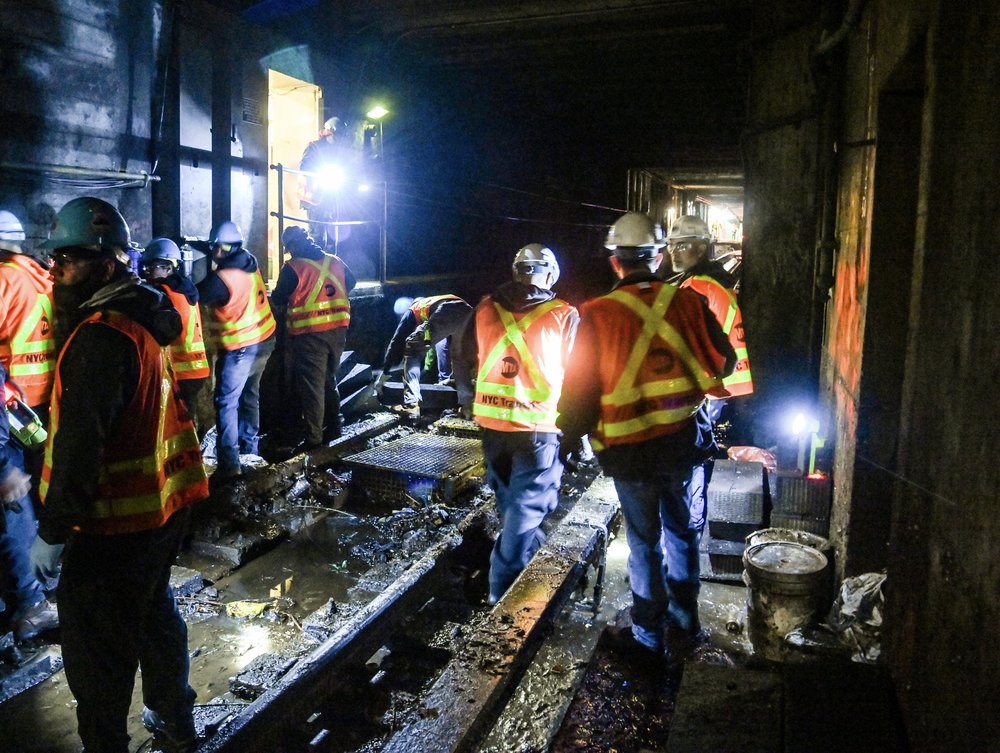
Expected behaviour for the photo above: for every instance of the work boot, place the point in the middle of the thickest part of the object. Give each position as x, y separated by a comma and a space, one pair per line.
407, 411
180, 736
37, 619
622, 641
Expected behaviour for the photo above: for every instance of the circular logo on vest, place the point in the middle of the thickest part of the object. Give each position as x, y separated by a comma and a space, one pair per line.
661, 361
739, 333
509, 367
329, 290
261, 298
44, 322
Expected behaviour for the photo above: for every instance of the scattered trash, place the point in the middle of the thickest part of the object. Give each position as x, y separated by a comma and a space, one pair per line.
857, 615
246, 609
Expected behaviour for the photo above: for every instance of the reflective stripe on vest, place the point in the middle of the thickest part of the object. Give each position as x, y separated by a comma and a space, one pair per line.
740, 381
187, 352
27, 348
307, 312
654, 403
513, 405
421, 307
246, 319
151, 465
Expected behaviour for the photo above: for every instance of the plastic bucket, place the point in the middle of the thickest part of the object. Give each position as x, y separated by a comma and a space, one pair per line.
785, 582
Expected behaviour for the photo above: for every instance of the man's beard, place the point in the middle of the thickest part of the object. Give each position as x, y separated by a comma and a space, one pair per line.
67, 300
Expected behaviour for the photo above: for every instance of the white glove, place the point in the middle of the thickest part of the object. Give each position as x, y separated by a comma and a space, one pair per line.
15, 485
45, 559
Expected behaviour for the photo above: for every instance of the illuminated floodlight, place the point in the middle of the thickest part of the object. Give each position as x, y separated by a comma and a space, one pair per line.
799, 423
332, 177
376, 113
364, 187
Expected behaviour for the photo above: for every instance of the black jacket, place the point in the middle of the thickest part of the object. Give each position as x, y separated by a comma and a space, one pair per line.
99, 373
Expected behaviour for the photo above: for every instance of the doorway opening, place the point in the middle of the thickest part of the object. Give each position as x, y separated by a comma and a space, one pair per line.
294, 108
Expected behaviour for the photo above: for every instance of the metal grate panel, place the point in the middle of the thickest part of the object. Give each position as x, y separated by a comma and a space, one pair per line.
421, 467
457, 427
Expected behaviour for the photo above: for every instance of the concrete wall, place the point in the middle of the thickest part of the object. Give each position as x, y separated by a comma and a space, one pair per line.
912, 353
781, 201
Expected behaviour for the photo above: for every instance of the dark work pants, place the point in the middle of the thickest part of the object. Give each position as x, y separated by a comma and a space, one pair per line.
315, 359
524, 471
190, 389
117, 613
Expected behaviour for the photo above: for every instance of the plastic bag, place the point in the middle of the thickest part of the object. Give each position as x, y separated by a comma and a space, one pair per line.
748, 454
857, 615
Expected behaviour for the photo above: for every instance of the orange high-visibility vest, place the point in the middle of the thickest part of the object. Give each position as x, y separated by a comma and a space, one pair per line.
319, 301
27, 348
187, 352
152, 463
421, 307
657, 361
246, 318
724, 306
522, 360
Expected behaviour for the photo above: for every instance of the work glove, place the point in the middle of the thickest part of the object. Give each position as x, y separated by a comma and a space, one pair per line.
45, 559
570, 450
15, 485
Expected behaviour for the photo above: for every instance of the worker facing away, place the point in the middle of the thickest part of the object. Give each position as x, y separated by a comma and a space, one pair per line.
161, 267
689, 244
430, 322
243, 327
122, 466
645, 356
312, 293
27, 349
519, 343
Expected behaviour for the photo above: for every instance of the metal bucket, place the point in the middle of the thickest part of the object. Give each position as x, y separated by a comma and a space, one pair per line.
785, 581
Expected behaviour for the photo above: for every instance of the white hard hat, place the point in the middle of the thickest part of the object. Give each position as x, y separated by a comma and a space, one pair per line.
535, 259
227, 232
331, 124
162, 249
635, 235
11, 232
689, 226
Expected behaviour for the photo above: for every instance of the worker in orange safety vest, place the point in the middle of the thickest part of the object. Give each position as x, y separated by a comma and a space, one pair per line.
519, 343
429, 322
27, 347
122, 467
161, 267
646, 355
312, 292
689, 244
243, 327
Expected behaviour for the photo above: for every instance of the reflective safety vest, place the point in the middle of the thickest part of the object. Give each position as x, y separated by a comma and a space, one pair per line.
245, 319
723, 304
522, 359
319, 302
421, 307
152, 463
657, 361
187, 352
27, 349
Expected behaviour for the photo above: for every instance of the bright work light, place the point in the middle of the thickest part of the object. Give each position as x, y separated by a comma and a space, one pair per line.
377, 112
332, 177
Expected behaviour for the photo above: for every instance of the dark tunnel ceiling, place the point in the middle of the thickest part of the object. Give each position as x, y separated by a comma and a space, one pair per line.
640, 82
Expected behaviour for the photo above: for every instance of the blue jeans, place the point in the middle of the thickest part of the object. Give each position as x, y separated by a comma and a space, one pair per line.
117, 614
664, 520
237, 402
524, 471
413, 366
20, 589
